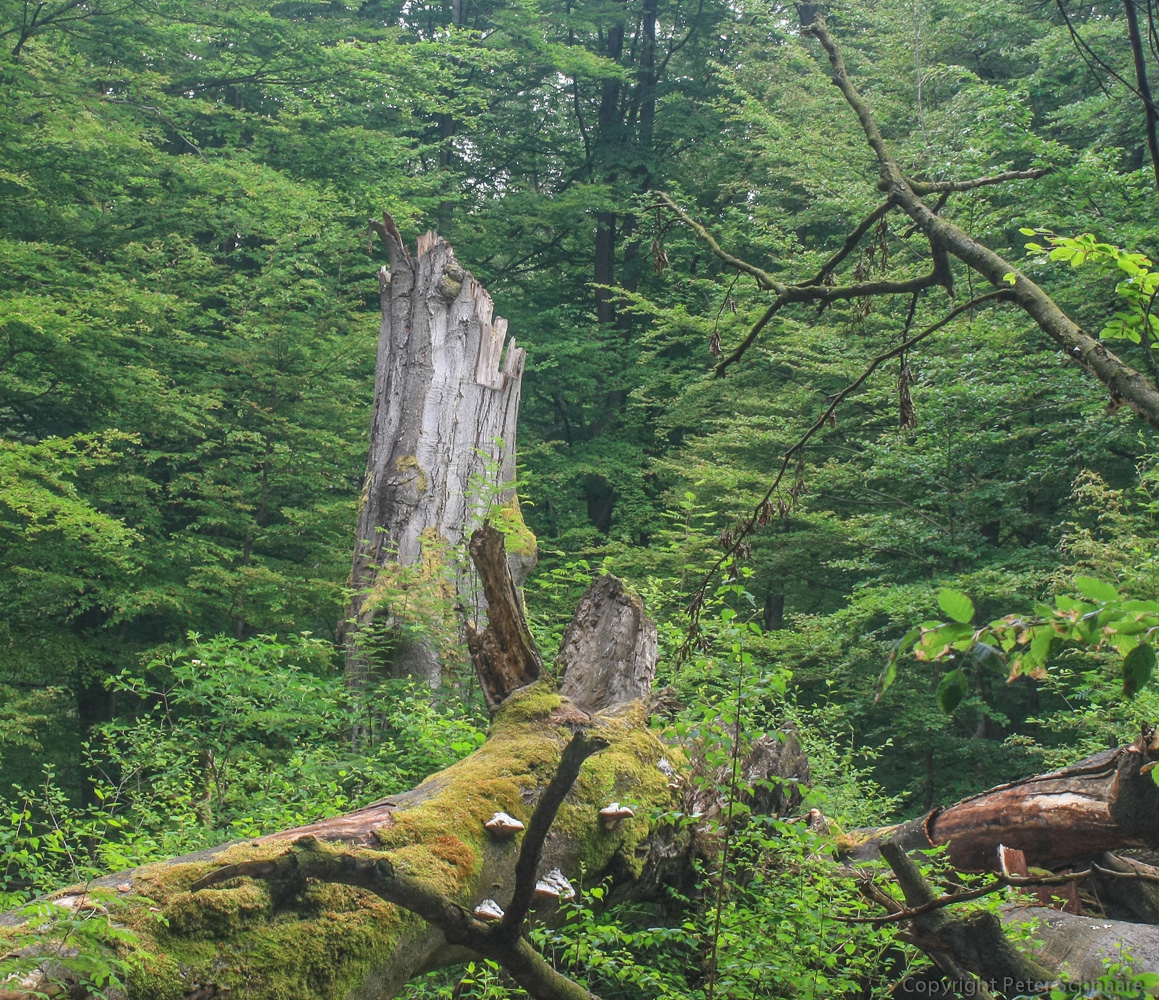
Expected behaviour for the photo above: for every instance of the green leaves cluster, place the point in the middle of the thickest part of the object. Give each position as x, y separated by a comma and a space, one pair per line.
1030, 644
1138, 285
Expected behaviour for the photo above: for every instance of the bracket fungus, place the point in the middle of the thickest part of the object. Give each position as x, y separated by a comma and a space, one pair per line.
502, 825
554, 886
488, 910
611, 815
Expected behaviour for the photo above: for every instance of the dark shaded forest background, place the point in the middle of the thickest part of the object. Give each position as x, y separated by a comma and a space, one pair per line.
188, 318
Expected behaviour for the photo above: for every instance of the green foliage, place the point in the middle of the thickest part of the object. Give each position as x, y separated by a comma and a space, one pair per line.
187, 316
1138, 288
1030, 643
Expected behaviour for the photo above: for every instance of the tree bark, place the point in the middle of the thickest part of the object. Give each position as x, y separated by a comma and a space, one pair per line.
1107, 802
1137, 54
294, 932
442, 453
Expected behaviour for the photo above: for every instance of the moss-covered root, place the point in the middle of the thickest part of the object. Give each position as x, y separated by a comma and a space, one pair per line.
284, 941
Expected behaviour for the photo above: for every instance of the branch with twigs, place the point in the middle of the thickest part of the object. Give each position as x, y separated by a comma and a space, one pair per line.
1001, 881
1126, 385
761, 512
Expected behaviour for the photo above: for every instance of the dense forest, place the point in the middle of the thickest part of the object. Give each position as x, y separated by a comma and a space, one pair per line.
189, 315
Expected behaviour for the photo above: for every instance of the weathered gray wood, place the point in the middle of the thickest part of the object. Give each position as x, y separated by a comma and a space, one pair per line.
608, 653
442, 441
1081, 948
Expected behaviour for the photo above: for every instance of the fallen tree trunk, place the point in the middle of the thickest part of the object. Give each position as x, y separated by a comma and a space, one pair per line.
307, 938
1107, 802
1066, 820
977, 958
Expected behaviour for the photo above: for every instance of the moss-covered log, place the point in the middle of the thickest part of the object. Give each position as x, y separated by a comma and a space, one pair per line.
330, 941
285, 939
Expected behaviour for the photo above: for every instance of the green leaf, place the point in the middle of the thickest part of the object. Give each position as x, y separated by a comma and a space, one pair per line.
889, 672
951, 691
1137, 667
1095, 589
957, 605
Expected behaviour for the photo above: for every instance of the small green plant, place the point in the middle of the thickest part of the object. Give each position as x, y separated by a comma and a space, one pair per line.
1100, 618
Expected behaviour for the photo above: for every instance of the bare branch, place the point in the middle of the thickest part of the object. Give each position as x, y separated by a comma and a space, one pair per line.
746, 529
1126, 385
951, 899
764, 279
850, 244
825, 293
922, 188
575, 753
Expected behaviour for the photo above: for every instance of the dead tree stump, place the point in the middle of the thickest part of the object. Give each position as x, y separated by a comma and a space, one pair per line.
442, 454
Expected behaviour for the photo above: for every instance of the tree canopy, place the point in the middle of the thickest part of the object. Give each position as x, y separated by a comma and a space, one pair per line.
952, 584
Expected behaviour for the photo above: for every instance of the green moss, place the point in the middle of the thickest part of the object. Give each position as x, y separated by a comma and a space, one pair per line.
405, 463
319, 943
516, 756
218, 912
532, 704
281, 942
507, 518
627, 772
446, 863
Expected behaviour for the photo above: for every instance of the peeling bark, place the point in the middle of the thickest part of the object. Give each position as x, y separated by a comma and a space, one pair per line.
504, 652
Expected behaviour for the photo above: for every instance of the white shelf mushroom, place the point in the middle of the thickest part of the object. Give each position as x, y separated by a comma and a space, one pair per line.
612, 814
502, 825
554, 886
488, 910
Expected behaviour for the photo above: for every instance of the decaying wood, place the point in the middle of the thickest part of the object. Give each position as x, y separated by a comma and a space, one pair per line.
1134, 897
1081, 949
771, 779
504, 653
442, 440
608, 653
1064, 820
1107, 802
502, 942
961, 946
289, 934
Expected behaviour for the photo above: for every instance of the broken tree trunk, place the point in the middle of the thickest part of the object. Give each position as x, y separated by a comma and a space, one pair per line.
442, 455
1107, 802
303, 935
1068, 819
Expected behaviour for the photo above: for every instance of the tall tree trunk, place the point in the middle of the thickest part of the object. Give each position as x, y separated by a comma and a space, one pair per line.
448, 126
609, 129
1144, 85
442, 454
